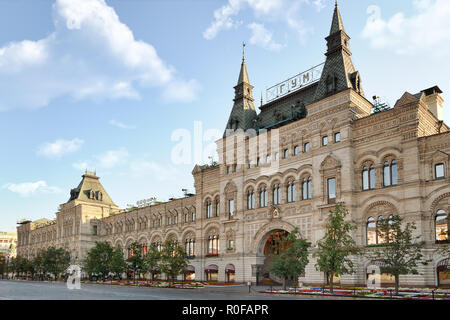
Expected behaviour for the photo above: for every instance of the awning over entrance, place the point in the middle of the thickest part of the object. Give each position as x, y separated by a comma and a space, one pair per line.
190, 269
212, 268
443, 265
229, 268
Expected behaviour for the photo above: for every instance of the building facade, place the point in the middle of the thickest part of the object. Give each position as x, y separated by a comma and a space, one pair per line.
315, 142
8, 244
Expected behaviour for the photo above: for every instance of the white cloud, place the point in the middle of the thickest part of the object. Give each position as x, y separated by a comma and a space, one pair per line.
29, 188
112, 158
428, 29
263, 37
271, 10
121, 125
177, 91
141, 168
90, 55
59, 148
82, 165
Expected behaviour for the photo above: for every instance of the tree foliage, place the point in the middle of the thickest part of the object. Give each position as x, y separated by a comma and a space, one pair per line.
336, 247
292, 257
152, 260
135, 260
401, 252
173, 258
117, 265
98, 259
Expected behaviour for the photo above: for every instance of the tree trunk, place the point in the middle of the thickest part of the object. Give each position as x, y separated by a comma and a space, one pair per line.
397, 283
284, 283
331, 282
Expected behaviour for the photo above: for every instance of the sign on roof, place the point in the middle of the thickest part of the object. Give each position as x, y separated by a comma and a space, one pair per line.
300, 81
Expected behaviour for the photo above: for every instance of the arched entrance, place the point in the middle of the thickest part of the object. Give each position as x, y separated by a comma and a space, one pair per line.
229, 272
270, 247
189, 273
443, 273
212, 272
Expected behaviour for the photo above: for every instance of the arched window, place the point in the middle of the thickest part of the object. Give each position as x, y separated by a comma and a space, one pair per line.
372, 177
193, 216
306, 188
276, 194
296, 150
290, 191
371, 231
250, 199
368, 177
186, 217
208, 209
217, 206
286, 153
441, 226
263, 197
365, 178
390, 173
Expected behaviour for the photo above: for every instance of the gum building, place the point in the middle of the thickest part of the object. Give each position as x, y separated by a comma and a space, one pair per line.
315, 142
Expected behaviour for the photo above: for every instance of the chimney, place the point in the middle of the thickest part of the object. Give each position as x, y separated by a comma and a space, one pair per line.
434, 101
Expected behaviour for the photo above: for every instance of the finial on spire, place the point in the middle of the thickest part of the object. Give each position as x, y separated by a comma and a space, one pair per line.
261, 98
336, 4
243, 51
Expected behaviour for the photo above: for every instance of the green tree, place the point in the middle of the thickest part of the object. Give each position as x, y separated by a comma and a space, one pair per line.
56, 261
152, 259
118, 264
336, 247
401, 252
292, 256
135, 260
173, 259
2, 264
98, 259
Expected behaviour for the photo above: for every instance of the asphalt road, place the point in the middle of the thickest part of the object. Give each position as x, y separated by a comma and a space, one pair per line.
33, 290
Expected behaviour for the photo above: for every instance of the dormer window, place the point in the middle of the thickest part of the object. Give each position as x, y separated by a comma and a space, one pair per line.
331, 84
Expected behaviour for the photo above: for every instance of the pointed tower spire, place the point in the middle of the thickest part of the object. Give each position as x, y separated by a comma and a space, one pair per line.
337, 24
243, 113
243, 75
338, 72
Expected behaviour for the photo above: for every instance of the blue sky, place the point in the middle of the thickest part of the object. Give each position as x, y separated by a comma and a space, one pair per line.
106, 85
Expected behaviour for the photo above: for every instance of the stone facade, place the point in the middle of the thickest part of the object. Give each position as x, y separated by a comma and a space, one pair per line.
228, 223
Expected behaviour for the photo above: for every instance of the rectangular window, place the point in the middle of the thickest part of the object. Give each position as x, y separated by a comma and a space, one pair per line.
332, 190
95, 230
324, 141
439, 171
337, 137
296, 150
231, 207
286, 153
231, 244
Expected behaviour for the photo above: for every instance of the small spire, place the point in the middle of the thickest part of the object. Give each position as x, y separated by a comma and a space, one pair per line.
337, 24
243, 75
261, 98
243, 51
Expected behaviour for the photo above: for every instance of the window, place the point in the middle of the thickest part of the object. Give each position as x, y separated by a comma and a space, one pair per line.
217, 202
439, 171
331, 190
250, 200
263, 197
208, 209
337, 137
365, 178
230, 244
228, 169
213, 245
390, 173
189, 247
291, 191
186, 218
372, 177
368, 177
193, 216
441, 226
324, 141
276, 156
296, 150
94, 230
268, 158
250, 164
286, 153
307, 188
234, 167
276, 194
306, 147
231, 208
371, 231
258, 161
